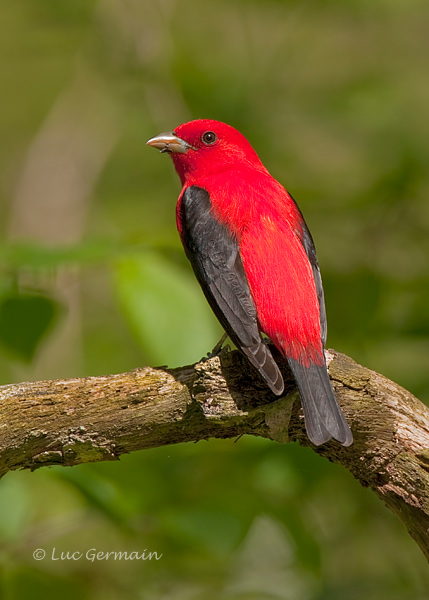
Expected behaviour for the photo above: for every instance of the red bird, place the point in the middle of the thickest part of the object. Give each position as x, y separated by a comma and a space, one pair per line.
255, 260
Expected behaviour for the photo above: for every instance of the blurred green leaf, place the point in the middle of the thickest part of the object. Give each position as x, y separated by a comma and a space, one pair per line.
25, 319
165, 308
40, 257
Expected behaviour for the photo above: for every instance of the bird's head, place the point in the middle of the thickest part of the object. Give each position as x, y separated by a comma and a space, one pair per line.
204, 147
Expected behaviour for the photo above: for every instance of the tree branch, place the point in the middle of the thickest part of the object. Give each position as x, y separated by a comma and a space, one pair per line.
74, 421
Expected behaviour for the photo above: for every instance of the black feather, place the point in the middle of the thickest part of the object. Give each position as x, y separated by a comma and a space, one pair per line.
323, 416
214, 255
308, 244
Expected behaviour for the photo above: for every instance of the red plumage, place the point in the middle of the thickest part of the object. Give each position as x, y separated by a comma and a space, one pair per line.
251, 223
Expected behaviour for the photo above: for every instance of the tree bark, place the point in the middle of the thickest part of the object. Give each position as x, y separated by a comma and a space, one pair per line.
74, 421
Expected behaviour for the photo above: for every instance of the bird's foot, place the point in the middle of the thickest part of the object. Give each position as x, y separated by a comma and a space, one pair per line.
217, 349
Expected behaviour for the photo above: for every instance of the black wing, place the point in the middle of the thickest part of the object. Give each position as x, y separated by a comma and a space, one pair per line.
310, 250
214, 254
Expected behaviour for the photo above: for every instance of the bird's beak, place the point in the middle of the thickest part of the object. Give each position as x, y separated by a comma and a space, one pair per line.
169, 142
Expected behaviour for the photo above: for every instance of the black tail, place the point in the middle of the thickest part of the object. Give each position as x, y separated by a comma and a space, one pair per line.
323, 417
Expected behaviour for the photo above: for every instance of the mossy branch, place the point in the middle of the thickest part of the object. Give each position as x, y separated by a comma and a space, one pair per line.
67, 422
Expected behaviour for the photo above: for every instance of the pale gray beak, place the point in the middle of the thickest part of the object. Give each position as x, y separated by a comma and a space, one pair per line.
169, 142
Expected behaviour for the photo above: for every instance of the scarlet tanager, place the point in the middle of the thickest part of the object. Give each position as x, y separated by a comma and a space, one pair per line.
255, 260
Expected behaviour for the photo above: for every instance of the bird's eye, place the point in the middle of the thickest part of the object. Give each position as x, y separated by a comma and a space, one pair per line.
209, 137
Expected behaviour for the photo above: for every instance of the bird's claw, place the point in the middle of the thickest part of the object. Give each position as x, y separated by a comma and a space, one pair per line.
217, 349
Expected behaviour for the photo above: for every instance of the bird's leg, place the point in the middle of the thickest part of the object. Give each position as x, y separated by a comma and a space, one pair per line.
216, 350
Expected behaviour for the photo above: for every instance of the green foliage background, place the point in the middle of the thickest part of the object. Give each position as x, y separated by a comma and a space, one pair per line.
334, 96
